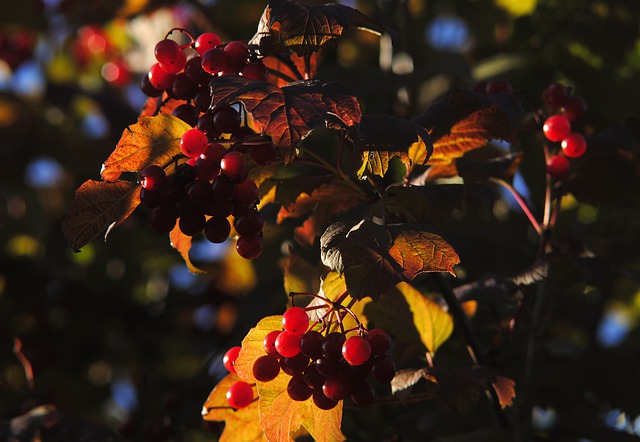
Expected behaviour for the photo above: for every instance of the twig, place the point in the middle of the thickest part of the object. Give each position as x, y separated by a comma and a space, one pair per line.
521, 202
28, 369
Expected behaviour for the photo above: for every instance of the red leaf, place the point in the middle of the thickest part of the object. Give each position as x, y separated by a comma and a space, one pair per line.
98, 207
289, 113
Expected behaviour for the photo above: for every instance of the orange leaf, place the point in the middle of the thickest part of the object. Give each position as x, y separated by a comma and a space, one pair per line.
98, 207
152, 140
241, 425
182, 243
280, 416
289, 113
505, 390
375, 258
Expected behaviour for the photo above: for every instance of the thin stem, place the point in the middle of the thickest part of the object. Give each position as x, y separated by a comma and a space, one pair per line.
521, 202
26, 364
455, 308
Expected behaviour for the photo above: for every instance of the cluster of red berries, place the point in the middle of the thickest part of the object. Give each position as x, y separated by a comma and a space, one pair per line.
203, 192
328, 368
557, 128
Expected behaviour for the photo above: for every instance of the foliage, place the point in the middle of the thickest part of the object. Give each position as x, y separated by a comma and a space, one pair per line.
397, 213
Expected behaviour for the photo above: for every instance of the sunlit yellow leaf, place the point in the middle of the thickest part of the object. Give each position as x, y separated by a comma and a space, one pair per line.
240, 425
518, 8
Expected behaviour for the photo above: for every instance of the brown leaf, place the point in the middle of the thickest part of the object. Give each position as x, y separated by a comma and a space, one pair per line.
305, 29
240, 425
289, 113
285, 68
404, 380
431, 204
152, 140
375, 258
98, 207
382, 137
464, 120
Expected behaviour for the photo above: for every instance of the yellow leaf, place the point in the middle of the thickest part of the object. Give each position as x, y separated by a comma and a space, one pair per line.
280, 416
518, 8
433, 324
240, 425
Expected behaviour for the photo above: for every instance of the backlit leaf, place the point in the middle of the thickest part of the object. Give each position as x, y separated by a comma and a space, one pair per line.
405, 379
464, 120
305, 29
182, 243
240, 425
289, 113
375, 258
98, 207
286, 68
299, 275
280, 416
505, 390
152, 140
433, 203
382, 137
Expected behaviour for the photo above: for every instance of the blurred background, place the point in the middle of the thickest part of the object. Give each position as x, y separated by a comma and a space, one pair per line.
121, 334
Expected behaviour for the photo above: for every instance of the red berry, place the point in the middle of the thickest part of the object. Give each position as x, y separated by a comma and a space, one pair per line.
323, 402
335, 387
193, 143
217, 229
167, 51
574, 108
332, 345
159, 78
237, 53
250, 247
356, 350
270, 343
214, 61
234, 166
556, 128
295, 320
230, 357
294, 365
380, 341
297, 389
207, 41
240, 395
254, 71
574, 145
311, 344
383, 369
250, 224
153, 177
498, 86
558, 167
555, 95
266, 368
288, 344
227, 119
176, 65
246, 192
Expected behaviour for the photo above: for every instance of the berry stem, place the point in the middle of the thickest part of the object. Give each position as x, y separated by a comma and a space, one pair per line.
26, 364
183, 31
521, 202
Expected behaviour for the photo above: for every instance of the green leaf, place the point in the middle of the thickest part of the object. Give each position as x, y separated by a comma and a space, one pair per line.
97, 207
375, 258
152, 140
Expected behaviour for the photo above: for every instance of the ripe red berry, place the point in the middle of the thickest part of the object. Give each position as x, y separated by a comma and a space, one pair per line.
207, 41
311, 344
383, 369
574, 108
556, 127
227, 119
254, 71
246, 192
380, 341
193, 143
295, 320
166, 51
159, 78
230, 357
250, 247
574, 145
249, 223
213, 61
240, 395
555, 95
558, 167
234, 166
266, 368
297, 389
323, 402
153, 177
270, 343
332, 345
176, 65
237, 53
217, 229
288, 344
356, 350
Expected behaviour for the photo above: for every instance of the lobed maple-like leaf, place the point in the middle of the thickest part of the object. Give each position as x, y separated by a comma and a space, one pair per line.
152, 140
412, 317
241, 425
306, 28
477, 169
431, 204
98, 207
380, 138
182, 243
375, 258
464, 120
289, 113
285, 68
280, 416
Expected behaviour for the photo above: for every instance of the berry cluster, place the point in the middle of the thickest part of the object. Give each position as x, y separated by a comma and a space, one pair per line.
219, 150
327, 367
557, 128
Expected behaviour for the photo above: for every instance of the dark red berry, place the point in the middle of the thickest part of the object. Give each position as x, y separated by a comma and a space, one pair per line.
217, 229
558, 167
574, 108
266, 368
254, 71
227, 119
332, 345
380, 341
555, 95
153, 177
167, 51
383, 369
234, 166
213, 61
311, 344
498, 86
297, 389
323, 402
